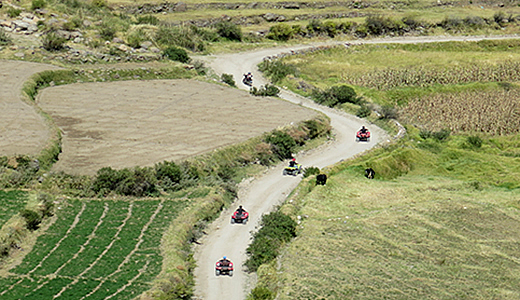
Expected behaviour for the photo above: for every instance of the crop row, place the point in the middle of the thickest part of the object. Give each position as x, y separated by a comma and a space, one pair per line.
10, 203
494, 112
390, 78
95, 249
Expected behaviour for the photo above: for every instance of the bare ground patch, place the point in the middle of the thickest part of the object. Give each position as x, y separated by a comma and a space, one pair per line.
140, 123
22, 129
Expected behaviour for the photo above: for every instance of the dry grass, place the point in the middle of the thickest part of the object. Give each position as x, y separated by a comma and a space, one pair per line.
419, 237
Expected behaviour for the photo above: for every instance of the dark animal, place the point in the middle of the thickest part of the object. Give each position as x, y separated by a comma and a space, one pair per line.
321, 179
370, 173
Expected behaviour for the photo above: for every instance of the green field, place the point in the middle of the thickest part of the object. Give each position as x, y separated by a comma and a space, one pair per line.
11, 202
95, 250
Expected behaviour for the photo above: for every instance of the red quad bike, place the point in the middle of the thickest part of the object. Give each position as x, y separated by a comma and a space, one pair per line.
224, 268
363, 136
240, 218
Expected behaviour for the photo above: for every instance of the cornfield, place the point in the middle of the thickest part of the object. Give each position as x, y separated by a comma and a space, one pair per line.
492, 112
508, 71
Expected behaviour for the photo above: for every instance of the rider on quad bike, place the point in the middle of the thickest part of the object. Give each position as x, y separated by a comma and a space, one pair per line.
224, 266
248, 79
240, 215
363, 134
294, 168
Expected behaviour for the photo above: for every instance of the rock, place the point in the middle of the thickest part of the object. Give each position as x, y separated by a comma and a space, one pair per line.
155, 50
123, 48
146, 45
87, 23
270, 17
117, 40
180, 7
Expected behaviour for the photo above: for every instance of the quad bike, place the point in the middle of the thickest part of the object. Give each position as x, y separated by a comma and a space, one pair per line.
248, 80
224, 267
294, 171
363, 136
240, 217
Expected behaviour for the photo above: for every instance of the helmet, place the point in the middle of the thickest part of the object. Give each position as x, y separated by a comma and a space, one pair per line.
224, 257
294, 159
240, 206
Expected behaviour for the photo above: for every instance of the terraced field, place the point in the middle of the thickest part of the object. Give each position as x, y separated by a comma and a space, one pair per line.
94, 250
12, 202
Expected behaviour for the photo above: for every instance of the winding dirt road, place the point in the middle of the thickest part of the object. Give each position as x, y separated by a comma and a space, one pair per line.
260, 195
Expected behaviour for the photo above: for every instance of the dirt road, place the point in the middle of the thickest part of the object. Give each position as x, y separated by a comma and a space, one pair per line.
262, 194
266, 191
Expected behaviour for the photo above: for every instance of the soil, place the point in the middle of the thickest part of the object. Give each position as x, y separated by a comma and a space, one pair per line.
140, 123
22, 129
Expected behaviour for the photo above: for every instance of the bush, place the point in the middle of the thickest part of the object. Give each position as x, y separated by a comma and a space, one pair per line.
46, 205
229, 30
13, 12
5, 39
182, 36
107, 32
280, 32
276, 229
228, 79
268, 90
32, 219
282, 144
53, 42
314, 26
277, 70
37, 4
176, 54
329, 27
388, 112
261, 293
344, 94
363, 111
310, 171
169, 175
441, 135
474, 141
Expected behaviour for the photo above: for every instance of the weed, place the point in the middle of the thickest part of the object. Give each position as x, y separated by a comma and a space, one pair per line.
32, 219
228, 79
310, 171
176, 54
267, 90
5, 39
37, 4
13, 12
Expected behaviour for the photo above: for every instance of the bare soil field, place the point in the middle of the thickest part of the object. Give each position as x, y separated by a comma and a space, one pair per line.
139, 123
22, 129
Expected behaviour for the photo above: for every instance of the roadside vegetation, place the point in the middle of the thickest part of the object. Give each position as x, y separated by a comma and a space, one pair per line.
442, 208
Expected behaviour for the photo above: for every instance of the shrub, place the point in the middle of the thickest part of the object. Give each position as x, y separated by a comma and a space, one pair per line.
107, 32
280, 32
388, 112
182, 36
277, 70
37, 4
344, 94
310, 171
5, 39
229, 30
314, 26
452, 23
53, 42
474, 141
276, 229
176, 54
268, 90
228, 79
32, 219
261, 293
46, 205
441, 135
13, 12
329, 27
200, 67
169, 174
363, 111
282, 144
